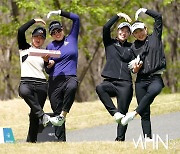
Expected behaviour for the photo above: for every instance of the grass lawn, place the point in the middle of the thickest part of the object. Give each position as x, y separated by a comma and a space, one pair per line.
14, 114
87, 148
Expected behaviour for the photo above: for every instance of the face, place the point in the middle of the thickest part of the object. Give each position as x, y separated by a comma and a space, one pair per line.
57, 34
37, 41
123, 34
140, 34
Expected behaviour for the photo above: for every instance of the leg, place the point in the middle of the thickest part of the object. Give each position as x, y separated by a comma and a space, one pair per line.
41, 95
26, 91
146, 92
140, 88
146, 122
35, 124
105, 91
69, 94
60, 132
41, 90
56, 99
124, 97
33, 128
69, 91
62, 97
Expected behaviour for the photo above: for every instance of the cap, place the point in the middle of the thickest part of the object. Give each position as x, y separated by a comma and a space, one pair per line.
137, 25
124, 24
39, 31
54, 25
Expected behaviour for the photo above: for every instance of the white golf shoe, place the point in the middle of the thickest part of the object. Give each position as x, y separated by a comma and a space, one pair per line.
129, 117
118, 116
57, 121
45, 120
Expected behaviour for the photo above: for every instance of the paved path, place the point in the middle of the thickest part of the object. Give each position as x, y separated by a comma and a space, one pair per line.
163, 124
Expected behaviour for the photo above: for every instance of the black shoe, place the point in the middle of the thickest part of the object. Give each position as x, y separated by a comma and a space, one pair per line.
119, 140
30, 140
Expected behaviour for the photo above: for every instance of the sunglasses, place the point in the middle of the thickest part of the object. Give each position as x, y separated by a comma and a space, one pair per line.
56, 31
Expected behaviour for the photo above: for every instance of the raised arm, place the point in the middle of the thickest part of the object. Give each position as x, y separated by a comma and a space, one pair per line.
21, 35
74, 17
107, 31
76, 23
108, 25
158, 25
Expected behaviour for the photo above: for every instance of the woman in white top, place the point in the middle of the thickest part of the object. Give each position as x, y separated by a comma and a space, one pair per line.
33, 85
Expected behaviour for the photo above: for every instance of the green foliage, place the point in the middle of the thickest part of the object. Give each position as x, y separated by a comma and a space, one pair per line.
167, 2
27, 5
8, 29
37, 8
93, 15
4, 9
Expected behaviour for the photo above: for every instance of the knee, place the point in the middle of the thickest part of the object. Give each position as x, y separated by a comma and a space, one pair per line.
24, 92
99, 89
155, 91
72, 87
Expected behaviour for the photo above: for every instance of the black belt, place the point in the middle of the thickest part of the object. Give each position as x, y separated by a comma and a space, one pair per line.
32, 79
142, 76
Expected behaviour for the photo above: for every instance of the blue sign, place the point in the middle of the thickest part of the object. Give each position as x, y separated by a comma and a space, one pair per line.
6, 135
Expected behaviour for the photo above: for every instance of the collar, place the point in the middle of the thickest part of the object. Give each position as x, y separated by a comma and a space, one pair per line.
121, 43
57, 41
35, 47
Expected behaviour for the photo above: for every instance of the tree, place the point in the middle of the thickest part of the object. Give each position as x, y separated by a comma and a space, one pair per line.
93, 15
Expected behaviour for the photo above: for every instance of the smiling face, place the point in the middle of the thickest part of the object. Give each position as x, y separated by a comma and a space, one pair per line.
37, 41
123, 34
57, 34
140, 34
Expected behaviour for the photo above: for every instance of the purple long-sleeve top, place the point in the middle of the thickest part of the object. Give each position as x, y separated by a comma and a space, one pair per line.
67, 63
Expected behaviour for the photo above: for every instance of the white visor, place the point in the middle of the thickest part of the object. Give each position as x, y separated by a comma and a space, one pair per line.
137, 25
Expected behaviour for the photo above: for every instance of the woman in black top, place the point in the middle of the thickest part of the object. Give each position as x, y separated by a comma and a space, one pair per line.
148, 82
117, 77
33, 85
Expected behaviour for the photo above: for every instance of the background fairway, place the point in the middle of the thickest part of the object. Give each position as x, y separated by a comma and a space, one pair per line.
14, 114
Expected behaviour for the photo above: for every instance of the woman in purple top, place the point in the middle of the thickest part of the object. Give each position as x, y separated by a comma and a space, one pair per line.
63, 70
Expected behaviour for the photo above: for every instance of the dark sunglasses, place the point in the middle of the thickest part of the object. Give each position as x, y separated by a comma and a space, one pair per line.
56, 31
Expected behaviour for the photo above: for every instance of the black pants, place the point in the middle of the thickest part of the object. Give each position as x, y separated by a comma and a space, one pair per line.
34, 94
123, 91
62, 90
147, 88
